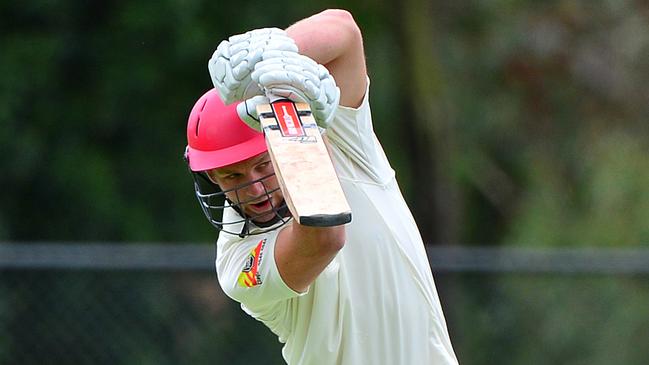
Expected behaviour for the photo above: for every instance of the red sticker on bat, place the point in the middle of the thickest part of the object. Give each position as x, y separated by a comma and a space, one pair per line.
288, 119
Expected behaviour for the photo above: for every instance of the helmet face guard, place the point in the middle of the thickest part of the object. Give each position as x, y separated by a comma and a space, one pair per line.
215, 205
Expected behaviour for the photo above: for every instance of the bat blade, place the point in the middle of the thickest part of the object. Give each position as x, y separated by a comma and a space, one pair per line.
302, 165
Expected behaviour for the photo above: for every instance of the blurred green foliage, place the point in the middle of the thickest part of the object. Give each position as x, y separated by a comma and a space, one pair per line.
176, 318
508, 123
549, 319
139, 318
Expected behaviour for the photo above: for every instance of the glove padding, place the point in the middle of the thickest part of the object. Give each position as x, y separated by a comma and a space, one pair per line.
299, 78
234, 60
247, 111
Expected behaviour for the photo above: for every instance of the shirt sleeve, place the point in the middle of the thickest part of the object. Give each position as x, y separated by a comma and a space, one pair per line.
358, 153
248, 273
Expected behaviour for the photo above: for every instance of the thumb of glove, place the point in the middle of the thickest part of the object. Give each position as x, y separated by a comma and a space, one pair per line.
247, 111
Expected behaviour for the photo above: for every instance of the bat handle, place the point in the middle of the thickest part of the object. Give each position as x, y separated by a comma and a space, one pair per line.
272, 97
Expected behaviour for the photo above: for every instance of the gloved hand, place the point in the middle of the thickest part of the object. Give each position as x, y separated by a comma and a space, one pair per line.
247, 111
299, 78
235, 58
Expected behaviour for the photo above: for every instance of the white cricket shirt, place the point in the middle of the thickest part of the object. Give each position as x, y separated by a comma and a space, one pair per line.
376, 302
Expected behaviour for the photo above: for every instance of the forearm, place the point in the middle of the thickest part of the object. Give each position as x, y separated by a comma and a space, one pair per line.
332, 38
324, 36
302, 252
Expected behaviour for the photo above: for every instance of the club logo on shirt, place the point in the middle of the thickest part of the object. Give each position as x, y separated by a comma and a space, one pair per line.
249, 276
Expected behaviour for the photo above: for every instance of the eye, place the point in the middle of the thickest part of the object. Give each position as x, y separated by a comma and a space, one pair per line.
231, 177
264, 166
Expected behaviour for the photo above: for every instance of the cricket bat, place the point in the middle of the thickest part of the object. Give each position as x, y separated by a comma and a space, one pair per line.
302, 165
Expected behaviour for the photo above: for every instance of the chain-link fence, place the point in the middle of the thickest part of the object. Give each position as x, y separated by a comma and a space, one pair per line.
161, 304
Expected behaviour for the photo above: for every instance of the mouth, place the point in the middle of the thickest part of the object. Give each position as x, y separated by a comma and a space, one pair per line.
260, 207
267, 212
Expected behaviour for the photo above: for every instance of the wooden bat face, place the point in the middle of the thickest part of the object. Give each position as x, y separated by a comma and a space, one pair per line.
302, 164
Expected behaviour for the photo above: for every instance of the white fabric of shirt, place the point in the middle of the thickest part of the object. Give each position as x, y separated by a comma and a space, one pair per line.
376, 302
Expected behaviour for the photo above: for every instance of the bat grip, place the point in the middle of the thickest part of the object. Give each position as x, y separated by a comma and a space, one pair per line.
272, 97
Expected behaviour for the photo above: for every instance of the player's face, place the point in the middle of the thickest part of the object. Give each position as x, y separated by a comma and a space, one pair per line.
250, 183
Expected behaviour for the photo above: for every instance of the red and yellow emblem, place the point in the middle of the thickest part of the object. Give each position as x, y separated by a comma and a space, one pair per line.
249, 276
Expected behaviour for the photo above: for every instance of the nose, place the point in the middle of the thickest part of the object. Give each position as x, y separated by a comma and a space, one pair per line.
256, 187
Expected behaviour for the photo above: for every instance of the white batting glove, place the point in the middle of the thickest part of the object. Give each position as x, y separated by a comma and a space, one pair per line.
299, 78
247, 111
235, 59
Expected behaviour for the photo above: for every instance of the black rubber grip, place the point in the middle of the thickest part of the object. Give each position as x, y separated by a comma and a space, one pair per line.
326, 220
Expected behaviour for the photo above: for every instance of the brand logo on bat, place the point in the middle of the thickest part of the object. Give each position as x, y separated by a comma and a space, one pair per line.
288, 119
304, 139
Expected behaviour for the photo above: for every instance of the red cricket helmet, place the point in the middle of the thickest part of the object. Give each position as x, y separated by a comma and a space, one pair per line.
217, 136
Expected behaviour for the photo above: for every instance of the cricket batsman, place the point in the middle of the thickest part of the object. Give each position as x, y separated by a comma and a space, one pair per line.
360, 293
